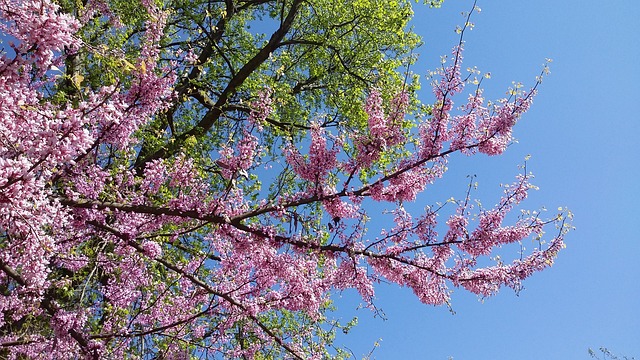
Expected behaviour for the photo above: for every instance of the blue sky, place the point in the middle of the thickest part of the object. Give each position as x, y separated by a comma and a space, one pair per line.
582, 134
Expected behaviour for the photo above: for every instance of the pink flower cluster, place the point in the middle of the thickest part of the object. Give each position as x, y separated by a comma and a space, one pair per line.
384, 131
236, 161
320, 160
261, 108
487, 129
41, 32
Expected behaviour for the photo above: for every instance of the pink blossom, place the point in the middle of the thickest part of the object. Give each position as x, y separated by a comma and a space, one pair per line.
261, 108
320, 159
232, 163
152, 249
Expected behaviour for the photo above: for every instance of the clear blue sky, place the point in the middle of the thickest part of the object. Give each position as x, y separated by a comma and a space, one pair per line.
583, 135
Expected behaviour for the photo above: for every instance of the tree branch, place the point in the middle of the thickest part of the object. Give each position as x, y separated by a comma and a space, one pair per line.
216, 111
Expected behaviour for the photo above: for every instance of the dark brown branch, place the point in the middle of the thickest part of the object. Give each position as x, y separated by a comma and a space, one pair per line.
210, 118
336, 52
51, 308
12, 273
184, 86
280, 124
142, 209
196, 281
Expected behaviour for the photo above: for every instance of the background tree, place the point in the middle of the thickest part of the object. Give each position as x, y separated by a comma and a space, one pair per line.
606, 354
175, 180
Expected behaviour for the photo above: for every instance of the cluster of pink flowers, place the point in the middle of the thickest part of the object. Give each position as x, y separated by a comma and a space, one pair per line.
234, 161
261, 108
385, 131
40, 31
320, 160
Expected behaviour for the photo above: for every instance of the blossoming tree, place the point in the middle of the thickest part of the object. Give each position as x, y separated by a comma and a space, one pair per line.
145, 213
